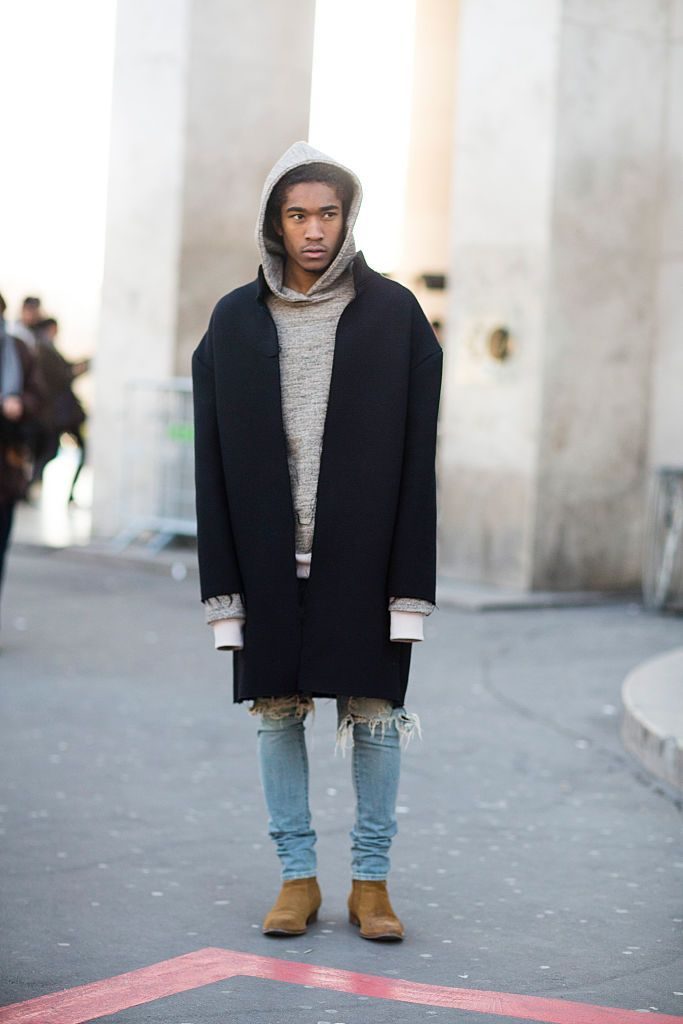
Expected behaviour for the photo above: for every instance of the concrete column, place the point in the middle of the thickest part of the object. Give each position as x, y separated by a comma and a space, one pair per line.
207, 94
426, 222
248, 99
558, 164
502, 197
140, 282
666, 419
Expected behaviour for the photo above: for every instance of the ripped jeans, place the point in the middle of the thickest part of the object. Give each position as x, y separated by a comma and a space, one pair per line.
376, 732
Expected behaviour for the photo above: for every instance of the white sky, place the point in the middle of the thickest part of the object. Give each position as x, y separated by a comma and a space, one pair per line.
55, 81
360, 109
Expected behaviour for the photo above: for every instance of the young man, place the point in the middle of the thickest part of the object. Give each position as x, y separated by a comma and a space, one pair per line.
316, 392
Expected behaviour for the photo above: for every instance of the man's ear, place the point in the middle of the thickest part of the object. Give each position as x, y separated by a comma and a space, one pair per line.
277, 226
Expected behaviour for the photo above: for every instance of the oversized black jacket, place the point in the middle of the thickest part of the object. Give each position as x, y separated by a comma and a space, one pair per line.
375, 523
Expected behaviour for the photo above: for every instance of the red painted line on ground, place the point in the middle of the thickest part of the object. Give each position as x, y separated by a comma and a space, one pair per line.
183, 973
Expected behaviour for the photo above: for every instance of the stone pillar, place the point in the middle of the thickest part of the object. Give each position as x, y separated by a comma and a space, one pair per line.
426, 221
207, 94
666, 420
559, 160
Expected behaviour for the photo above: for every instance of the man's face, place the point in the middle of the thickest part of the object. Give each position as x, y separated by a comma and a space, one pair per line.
311, 225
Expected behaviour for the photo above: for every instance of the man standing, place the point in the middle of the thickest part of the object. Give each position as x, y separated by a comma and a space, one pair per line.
316, 391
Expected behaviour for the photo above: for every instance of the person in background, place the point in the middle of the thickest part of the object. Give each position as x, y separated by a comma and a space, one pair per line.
61, 412
25, 327
19, 400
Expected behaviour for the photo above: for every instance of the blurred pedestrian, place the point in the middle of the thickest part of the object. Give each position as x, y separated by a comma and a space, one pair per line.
316, 392
25, 327
18, 402
61, 412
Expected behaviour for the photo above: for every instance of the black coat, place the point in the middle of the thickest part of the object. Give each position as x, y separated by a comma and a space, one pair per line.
375, 522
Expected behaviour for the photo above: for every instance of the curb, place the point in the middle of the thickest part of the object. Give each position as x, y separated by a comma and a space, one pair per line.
652, 726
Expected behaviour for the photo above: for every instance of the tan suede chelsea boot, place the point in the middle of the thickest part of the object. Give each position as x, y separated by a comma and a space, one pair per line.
295, 908
371, 909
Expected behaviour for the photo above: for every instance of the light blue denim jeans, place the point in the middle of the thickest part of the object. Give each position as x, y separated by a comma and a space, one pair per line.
376, 732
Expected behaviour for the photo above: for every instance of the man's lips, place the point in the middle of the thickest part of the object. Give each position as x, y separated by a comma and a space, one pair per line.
313, 251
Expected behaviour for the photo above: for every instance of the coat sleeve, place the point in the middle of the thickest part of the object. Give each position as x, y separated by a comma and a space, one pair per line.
219, 571
412, 564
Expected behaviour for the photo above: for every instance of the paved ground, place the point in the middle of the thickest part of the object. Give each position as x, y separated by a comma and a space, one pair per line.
534, 856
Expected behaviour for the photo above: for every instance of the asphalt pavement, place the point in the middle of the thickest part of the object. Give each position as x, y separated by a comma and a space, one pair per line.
535, 856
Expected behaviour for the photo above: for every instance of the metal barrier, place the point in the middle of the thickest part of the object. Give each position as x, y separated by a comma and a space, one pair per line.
663, 547
158, 469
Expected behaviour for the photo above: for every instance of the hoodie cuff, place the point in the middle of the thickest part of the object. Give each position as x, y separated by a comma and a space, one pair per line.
225, 606
227, 634
406, 626
411, 604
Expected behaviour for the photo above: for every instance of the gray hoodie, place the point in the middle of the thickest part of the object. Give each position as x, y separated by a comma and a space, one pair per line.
306, 326
271, 247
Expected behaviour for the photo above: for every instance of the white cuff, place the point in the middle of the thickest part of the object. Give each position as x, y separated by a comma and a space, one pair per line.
407, 626
227, 634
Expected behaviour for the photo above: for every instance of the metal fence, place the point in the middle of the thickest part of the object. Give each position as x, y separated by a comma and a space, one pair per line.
663, 548
157, 500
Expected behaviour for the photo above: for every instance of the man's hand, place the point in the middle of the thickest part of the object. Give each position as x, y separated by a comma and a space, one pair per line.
12, 407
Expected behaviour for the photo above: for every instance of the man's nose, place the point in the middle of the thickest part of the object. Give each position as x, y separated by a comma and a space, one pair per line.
314, 228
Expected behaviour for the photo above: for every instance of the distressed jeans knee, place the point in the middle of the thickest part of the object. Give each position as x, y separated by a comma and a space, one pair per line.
375, 713
282, 712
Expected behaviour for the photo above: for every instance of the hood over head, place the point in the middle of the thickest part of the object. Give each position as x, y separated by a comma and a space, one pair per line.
272, 249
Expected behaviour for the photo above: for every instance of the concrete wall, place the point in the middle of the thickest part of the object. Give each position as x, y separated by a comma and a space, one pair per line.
503, 162
206, 97
247, 100
545, 179
666, 407
602, 293
426, 217
559, 164
138, 317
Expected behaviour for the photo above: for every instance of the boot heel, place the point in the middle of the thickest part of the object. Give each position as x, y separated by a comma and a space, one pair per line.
353, 919
313, 918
